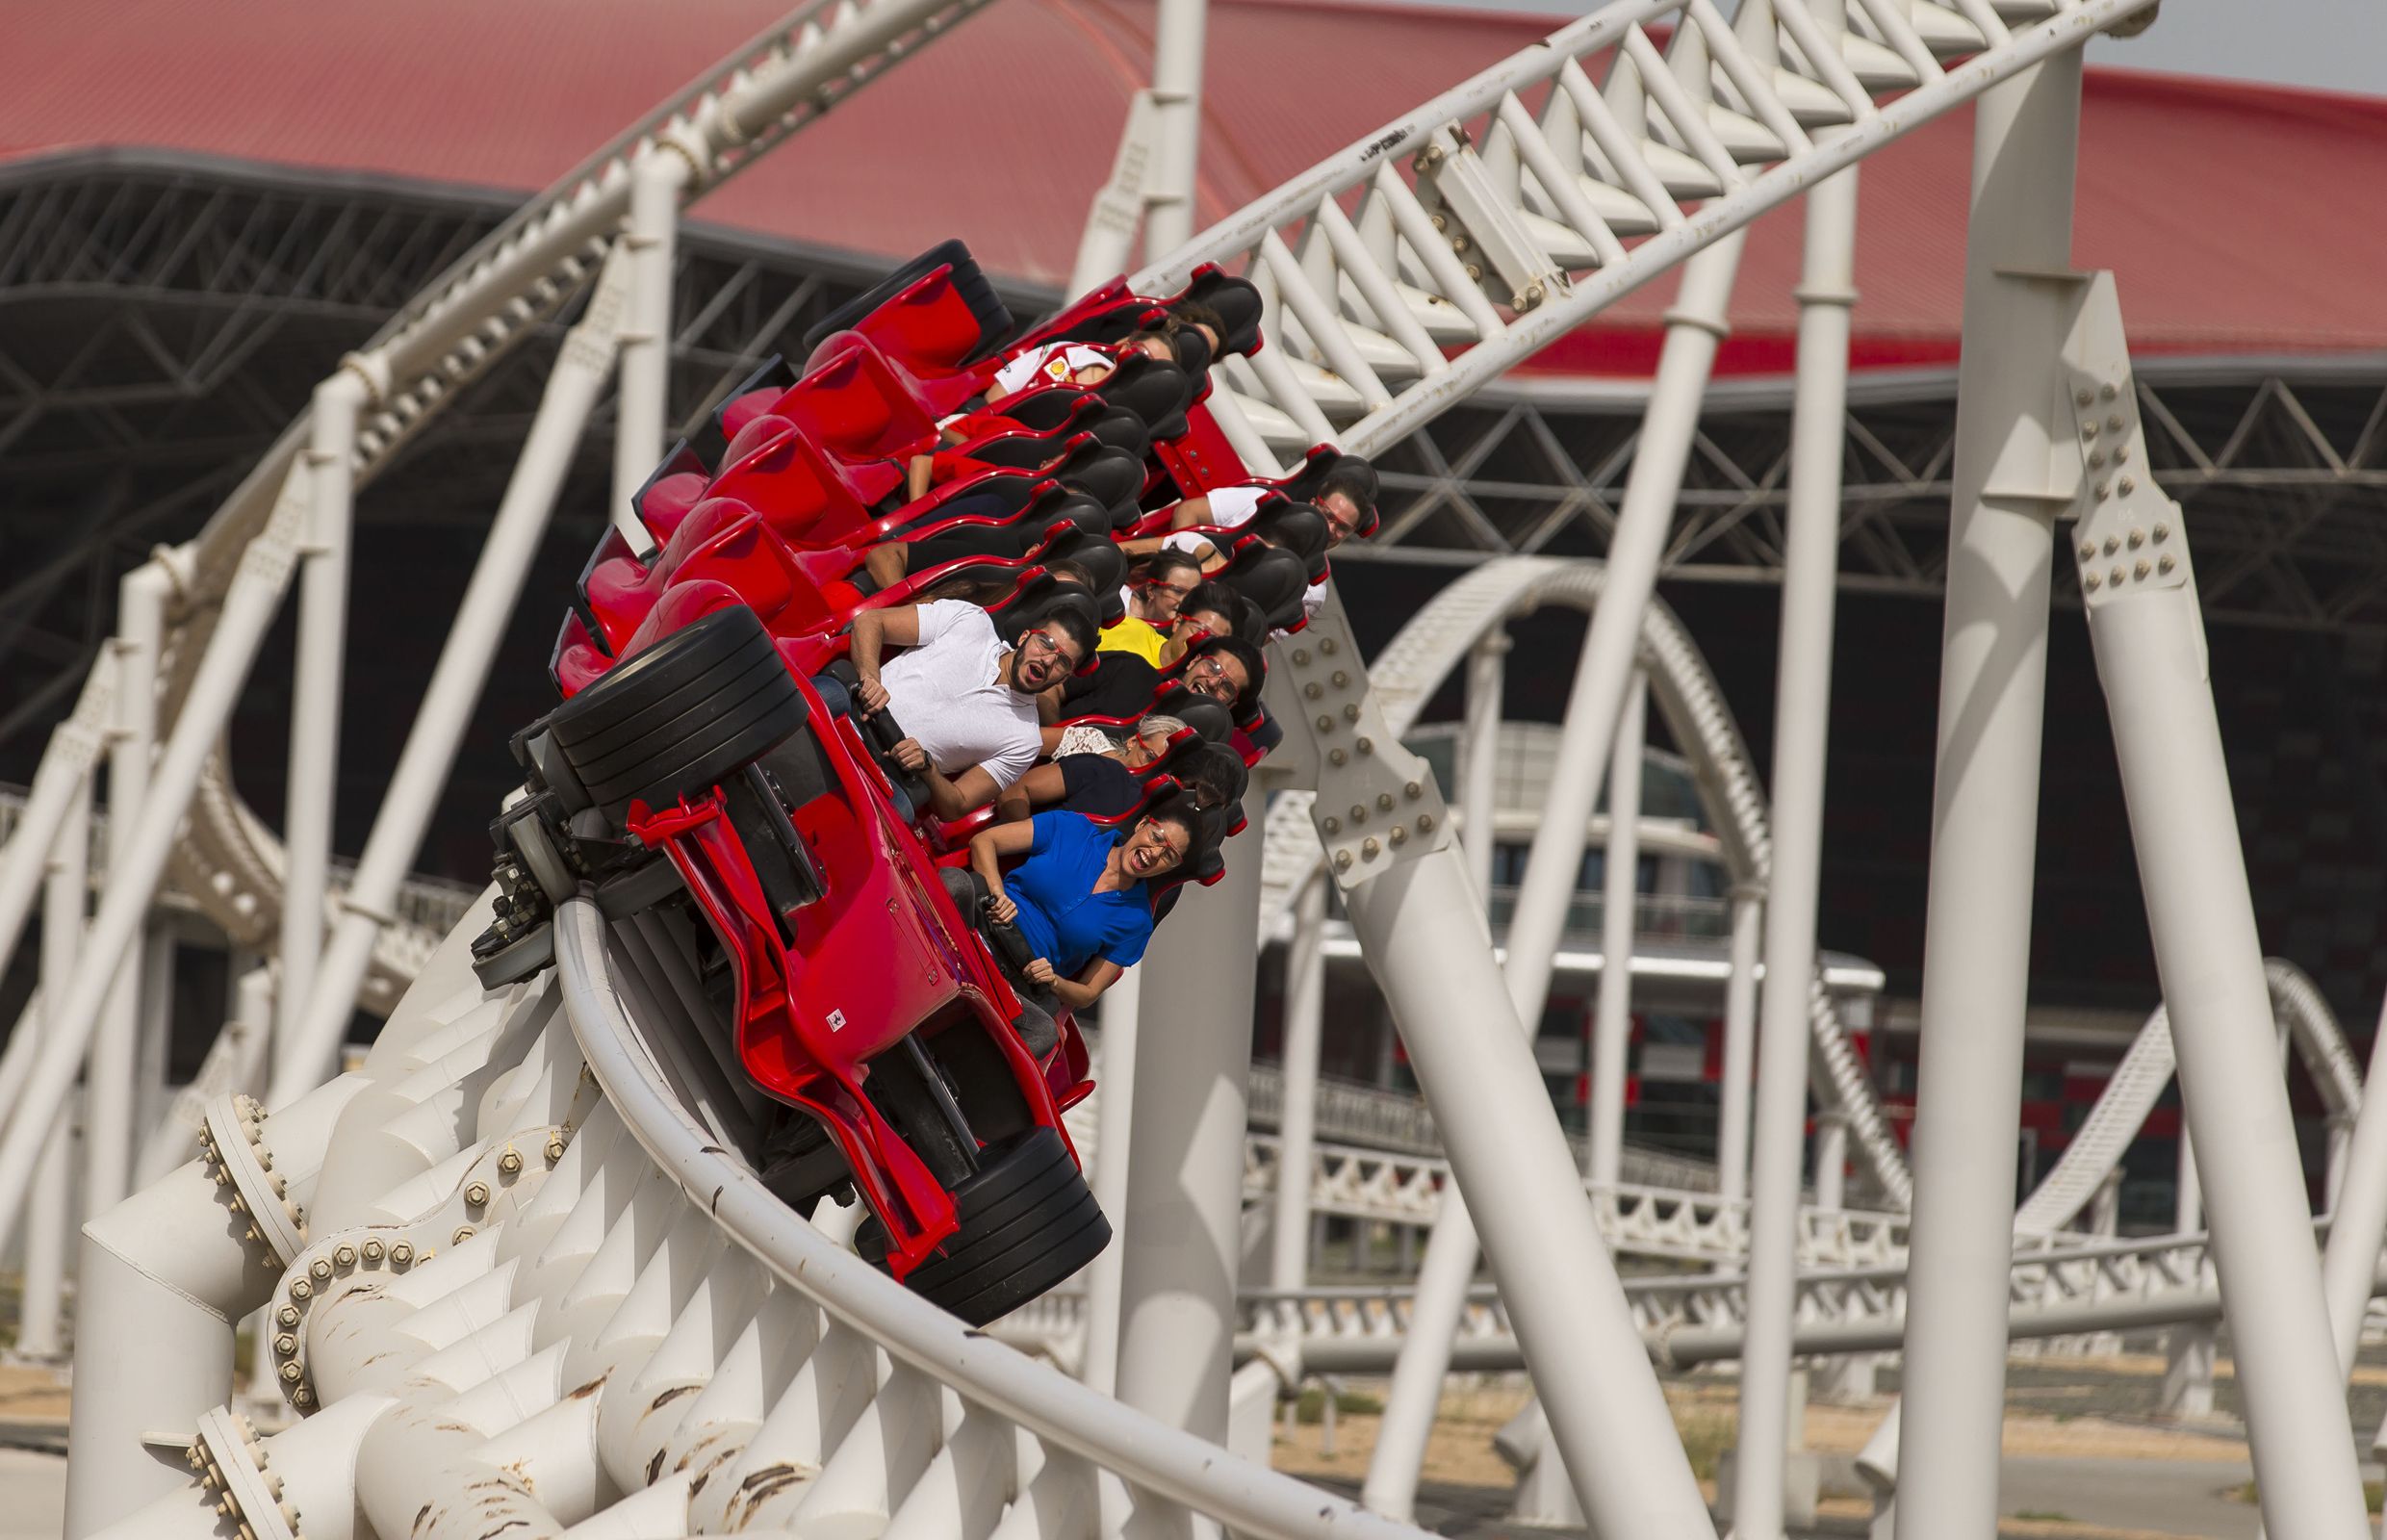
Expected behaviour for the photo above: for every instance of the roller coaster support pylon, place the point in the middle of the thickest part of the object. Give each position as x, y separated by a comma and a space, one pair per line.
1185, 1151
1611, 647
1803, 713
1412, 906
2047, 426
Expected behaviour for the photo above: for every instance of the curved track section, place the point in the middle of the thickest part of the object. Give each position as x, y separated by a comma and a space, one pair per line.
1437, 640
2139, 1081
496, 296
536, 1291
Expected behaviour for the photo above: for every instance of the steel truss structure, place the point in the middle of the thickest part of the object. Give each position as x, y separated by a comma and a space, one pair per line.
164, 317
520, 1275
2282, 464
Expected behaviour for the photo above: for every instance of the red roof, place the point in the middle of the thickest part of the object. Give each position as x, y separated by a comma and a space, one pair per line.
2233, 214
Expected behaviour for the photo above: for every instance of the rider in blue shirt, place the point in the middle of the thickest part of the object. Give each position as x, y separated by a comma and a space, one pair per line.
1080, 899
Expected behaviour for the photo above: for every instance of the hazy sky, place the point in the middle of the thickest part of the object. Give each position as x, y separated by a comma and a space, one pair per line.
2325, 44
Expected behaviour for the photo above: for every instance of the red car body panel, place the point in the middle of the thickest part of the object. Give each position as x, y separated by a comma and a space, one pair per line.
823, 990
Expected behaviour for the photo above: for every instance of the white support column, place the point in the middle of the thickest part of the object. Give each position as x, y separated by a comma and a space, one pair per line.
1992, 691
155, 1058
49, 1214
464, 661
114, 1078
1831, 1161
315, 691
1802, 728
642, 401
250, 602
1604, 673
2190, 1349
1612, 1039
1433, 960
1740, 1033
1610, 648
2341, 1145
1479, 756
1114, 1125
2150, 651
1305, 1020
2360, 1223
1178, 48
1184, 1172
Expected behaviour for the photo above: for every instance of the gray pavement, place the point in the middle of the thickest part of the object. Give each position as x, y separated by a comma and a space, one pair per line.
33, 1495
2188, 1497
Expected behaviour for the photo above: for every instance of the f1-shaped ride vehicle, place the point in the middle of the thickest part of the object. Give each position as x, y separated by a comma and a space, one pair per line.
872, 1036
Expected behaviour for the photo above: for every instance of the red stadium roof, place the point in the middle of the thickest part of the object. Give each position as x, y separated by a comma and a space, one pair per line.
2225, 208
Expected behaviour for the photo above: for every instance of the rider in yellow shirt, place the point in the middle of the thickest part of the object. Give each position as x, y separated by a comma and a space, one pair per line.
1153, 596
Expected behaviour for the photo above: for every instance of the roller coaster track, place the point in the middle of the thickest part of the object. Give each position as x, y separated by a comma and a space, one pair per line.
520, 1271
496, 294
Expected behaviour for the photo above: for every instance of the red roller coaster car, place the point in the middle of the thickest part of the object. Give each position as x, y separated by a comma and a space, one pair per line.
697, 785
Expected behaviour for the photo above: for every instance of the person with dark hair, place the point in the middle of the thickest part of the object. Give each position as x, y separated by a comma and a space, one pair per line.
1081, 899
1099, 782
1200, 318
1154, 596
1226, 668
1214, 775
1346, 498
966, 699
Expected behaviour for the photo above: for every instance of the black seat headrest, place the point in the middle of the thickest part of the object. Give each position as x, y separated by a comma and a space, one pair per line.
1192, 350
1038, 597
1112, 477
1120, 430
1205, 716
1300, 527
1105, 566
1273, 580
1237, 300
1013, 493
1153, 389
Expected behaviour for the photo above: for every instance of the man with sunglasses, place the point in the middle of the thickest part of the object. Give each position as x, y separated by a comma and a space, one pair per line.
968, 700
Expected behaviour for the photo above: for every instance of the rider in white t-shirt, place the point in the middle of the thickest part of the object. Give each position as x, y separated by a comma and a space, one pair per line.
966, 699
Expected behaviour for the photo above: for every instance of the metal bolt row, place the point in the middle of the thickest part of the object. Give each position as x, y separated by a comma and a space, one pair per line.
314, 1279
250, 1120
219, 1495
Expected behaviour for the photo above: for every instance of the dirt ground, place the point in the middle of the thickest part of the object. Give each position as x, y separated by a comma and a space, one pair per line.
2039, 1423
32, 1396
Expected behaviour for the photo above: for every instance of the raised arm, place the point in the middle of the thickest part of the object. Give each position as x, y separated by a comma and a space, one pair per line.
986, 849
874, 632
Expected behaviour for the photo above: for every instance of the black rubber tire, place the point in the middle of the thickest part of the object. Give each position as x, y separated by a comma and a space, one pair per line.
680, 715
1028, 1223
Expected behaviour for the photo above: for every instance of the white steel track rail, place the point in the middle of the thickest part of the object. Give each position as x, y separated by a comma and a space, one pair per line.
1385, 312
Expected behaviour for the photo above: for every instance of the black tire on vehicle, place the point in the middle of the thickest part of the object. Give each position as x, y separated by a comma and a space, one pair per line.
1028, 1221
682, 715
